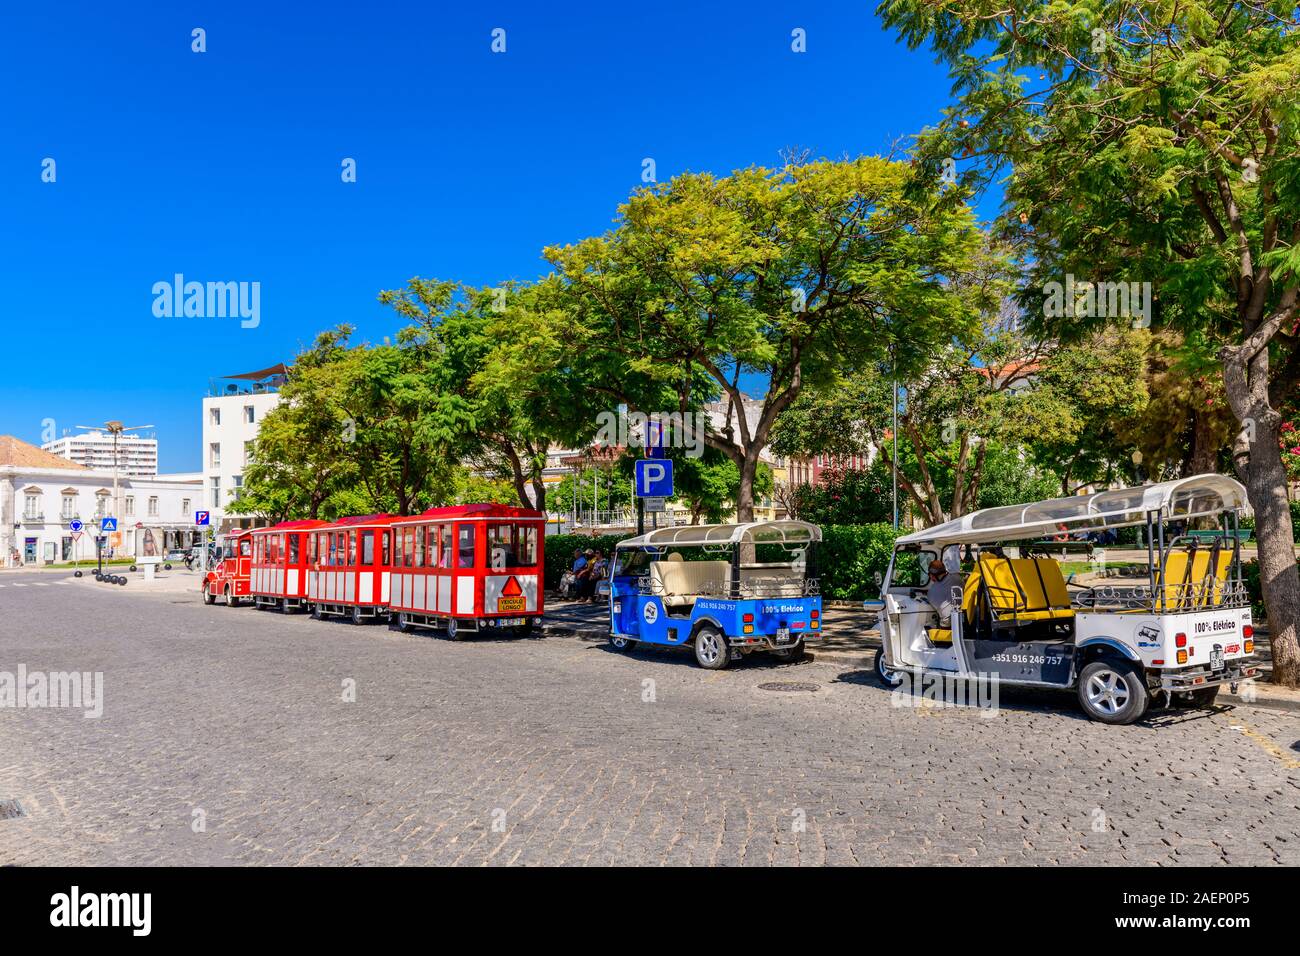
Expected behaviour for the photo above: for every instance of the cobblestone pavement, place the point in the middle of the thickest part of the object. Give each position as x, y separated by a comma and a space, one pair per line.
547, 750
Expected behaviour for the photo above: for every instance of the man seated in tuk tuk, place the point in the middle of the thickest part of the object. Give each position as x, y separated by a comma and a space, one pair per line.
944, 594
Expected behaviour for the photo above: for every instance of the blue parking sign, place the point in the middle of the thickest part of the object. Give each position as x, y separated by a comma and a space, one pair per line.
202, 518
654, 478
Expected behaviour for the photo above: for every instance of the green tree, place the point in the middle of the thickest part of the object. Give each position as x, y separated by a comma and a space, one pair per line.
787, 273
1157, 143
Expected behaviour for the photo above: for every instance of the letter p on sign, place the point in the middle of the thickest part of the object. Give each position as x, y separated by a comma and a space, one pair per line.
654, 478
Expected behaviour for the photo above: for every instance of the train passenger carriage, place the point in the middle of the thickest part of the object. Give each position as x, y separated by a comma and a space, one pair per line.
350, 560
280, 564
468, 569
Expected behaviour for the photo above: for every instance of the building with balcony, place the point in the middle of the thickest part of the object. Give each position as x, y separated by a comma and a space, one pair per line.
135, 455
233, 411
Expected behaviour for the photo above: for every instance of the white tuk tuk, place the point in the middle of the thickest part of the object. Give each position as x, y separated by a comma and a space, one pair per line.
1172, 631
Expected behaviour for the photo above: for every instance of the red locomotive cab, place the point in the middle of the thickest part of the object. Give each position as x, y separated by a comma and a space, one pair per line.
229, 580
468, 569
348, 567
280, 564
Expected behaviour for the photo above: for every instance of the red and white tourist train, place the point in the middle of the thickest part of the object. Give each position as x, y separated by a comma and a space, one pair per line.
229, 579
280, 564
350, 560
467, 569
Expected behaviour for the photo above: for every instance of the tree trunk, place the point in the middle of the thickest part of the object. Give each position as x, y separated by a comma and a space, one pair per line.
1259, 464
1266, 484
1205, 450
745, 497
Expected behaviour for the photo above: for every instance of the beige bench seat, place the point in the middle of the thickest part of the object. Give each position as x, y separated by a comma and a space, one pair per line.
680, 582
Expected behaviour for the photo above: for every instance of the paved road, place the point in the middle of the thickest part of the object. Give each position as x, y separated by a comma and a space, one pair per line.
550, 750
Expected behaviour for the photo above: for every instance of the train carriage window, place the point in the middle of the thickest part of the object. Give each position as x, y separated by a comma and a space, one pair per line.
465, 546
337, 547
293, 548
384, 546
367, 548
352, 549
408, 547
444, 554
245, 548
430, 546
511, 546
419, 546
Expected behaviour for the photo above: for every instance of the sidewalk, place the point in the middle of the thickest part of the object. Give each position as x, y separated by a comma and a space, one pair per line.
850, 637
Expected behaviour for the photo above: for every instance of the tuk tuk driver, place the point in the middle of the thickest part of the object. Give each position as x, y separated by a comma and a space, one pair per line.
944, 590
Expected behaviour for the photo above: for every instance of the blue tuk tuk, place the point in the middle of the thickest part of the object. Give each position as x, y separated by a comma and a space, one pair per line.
726, 590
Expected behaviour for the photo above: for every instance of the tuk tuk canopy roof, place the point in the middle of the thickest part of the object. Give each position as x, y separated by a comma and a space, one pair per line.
1197, 496
789, 533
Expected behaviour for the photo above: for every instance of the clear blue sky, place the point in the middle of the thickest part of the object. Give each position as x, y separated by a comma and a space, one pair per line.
225, 166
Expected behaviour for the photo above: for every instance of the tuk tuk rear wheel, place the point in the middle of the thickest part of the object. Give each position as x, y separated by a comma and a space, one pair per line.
789, 654
889, 678
1113, 692
711, 650
1202, 697
621, 643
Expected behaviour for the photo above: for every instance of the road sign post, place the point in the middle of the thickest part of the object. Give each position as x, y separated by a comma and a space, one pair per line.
201, 520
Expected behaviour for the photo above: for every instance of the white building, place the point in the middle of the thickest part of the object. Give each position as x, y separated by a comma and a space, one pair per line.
94, 449
42, 493
232, 416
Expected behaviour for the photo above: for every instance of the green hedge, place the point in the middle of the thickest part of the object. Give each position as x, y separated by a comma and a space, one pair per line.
850, 562
559, 552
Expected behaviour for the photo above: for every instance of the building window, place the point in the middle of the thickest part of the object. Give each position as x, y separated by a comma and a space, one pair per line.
69, 507
216, 492
153, 507
238, 481
101, 506
130, 505
248, 414
248, 452
31, 507
185, 506
214, 416
214, 455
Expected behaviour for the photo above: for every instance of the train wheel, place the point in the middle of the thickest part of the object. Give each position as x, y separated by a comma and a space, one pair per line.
208, 596
453, 630
284, 605
401, 623
357, 616
231, 600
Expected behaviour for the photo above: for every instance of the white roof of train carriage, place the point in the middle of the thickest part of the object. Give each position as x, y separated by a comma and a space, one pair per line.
793, 533
1197, 496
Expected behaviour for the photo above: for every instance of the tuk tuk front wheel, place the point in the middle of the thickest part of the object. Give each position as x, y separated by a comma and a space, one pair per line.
889, 678
1113, 692
711, 650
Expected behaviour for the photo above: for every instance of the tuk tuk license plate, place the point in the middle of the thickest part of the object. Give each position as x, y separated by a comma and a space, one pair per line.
1216, 658
783, 635
519, 603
